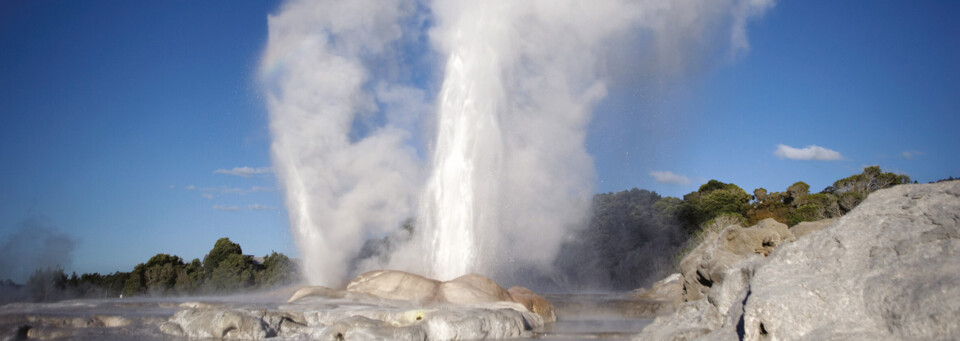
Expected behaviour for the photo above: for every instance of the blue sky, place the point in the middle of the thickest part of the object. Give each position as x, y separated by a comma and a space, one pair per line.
871, 80
115, 117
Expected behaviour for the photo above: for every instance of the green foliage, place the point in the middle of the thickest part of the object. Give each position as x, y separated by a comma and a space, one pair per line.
135, 283
190, 278
221, 250
624, 243
725, 201
760, 195
711, 186
861, 185
165, 274
806, 212
233, 273
795, 192
278, 269
711, 200
160, 273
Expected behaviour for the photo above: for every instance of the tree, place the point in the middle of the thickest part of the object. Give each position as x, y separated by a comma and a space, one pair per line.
795, 192
760, 195
135, 284
233, 273
629, 241
221, 250
160, 273
278, 269
855, 188
711, 200
190, 278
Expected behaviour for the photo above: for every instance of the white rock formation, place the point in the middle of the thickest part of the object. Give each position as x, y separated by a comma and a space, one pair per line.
387, 305
890, 269
807, 227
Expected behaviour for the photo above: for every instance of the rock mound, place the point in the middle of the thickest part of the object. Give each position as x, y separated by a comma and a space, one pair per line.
534, 303
808, 227
714, 265
668, 289
887, 270
395, 285
464, 290
385, 305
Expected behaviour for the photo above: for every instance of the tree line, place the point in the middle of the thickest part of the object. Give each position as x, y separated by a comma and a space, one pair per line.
637, 236
224, 270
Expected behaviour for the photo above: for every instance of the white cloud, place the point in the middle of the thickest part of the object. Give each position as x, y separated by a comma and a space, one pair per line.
669, 178
258, 207
811, 152
191, 187
245, 172
206, 195
225, 208
911, 153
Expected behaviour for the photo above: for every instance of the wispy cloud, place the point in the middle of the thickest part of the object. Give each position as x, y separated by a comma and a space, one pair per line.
245, 172
258, 207
206, 195
911, 153
226, 190
811, 152
225, 208
229, 190
669, 178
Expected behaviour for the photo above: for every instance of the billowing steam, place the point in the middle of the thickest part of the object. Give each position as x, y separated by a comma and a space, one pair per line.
35, 245
507, 175
339, 188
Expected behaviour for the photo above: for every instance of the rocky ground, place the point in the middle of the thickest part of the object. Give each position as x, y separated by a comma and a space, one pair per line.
887, 270
890, 269
385, 305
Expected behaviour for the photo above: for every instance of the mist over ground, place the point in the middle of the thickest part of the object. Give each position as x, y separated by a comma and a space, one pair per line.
35, 244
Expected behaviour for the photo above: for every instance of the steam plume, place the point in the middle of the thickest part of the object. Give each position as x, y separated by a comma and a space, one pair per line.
338, 189
509, 176
35, 245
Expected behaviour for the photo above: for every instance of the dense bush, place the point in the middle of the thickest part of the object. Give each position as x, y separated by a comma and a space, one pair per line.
713, 199
796, 204
221, 250
165, 274
627, 244
854, 189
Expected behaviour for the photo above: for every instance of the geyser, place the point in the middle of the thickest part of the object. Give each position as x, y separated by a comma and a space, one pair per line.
510, 173
506, 175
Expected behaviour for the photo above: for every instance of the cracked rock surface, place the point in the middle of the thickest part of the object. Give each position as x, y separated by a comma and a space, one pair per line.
383, 306
889, 269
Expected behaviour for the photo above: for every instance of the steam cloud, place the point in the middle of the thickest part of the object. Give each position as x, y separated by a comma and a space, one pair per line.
507, 176
339, 189
35, 245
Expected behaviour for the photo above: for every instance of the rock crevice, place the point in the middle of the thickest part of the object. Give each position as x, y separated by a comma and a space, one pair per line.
886, 270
